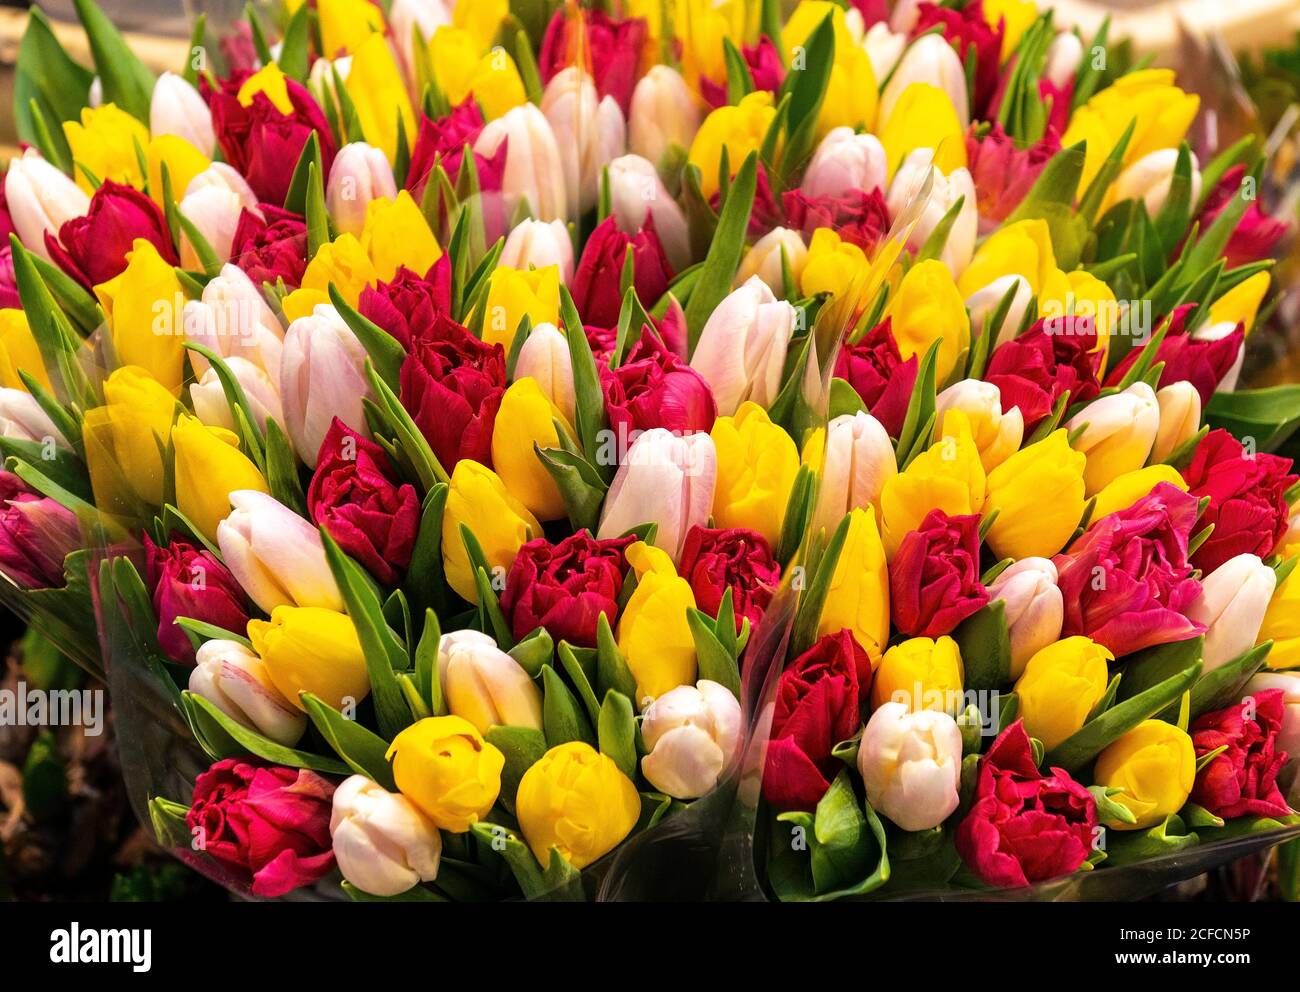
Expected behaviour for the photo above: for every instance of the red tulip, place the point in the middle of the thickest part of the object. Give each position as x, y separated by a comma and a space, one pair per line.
191, 582
1242, 780
1033, 370
408, 305
271, 247
715, 560
610, 52
876, 371
92, 248
597, 279
564, 587
934, 579
857, 217
655, 388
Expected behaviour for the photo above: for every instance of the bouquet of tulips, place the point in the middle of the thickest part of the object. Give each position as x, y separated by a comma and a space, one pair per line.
452, 415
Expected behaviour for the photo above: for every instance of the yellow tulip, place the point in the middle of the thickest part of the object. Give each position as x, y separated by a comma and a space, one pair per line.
107, 141
833, 266
123, 439
209, 467
479, 499
460, 68
271, 81
143, 306
1240, 305
1060, 686
514, 294
1159, 111
653, 633
701, 27
343, 262
739, 129
375, 85
926, 307
577, 801
1015, 16
947, 476
852, 92
1080, 294
19, 350
527, 417
757, 463
1155, 765
396, 234
1282, 624
1038, 495
923, 674
444, 766
924, 117
1130, 487
1023, 248
183, 162
312, 649
481, 18
346, 26
858, 596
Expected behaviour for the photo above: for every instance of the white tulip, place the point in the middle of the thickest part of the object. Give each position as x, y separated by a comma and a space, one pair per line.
383, 844
763, 259
41, 200
535, 244
691, 733
911, 765
1180, 417
1033, 606
859, 459
591, 131
484, 685
1149, 179
741, 350
884, 48
360, 173
545, 357
997, 434
663, 114
984, 302
322, 376
534, 169
209, 398
22, 418
1118, 433
176, 107
1064, 56
1231, 605
233, 679
931, 60
845, 161
945, 191
637, 192
234, 320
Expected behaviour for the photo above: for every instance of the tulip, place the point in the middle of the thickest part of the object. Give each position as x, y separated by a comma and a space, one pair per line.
21, 417
1118, 433
923, 117
666, 480
93, 249
484, 685
1023, 248
691, 733
361, 173
18, 350
320, 80
1231, 605
884, 47
1282, 625
768, 257
36, 535
534, 171
107, 141
565, 587
858, 597
739, 129
539, 244
1033, 607
932, 60
143, 306
1242, 762
513, 295
180, 160
1060, 686
1154, 765
396, 234
1227, 382
345, 23
834, 265
479, 500
850, 98
945, 191
1180, 418
921, 673
209, 466
383, 844
346, 263
1288, 738
527, 418
1038, 493
997, 434
854, 459
663, 115
188, 581
845, 160
445, 767
742, 347
234, 321
234, 680
575, 801
379, 95
653, 633
757, 464
276, 555
209, 398
928, 307
125, 438
1064, 56
310, 649
544, 358
1130, 487
910, 764
596, 292
1150, 178
589, 129
462, 67
984, 302
636, 193
406, 17
1240, 305
214, 201
40, 199
321, 377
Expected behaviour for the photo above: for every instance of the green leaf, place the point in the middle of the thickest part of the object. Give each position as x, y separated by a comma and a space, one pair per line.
589, 414
719, 268
534, 651
714, 662
1269, 415
806, 87
361, 750
580, 485
616, 730
222, 737
126, 80
47, 81
294, 55
813, 601
612, 672
573, 667
296, 198
318, 218
522, 747
1224, 685
985, 646
561, 718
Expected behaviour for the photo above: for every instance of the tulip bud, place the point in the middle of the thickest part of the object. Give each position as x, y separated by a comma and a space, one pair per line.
177, 108
922, 673
308, 649
544, 358
36, 535
997, 434
1060, 686
1288, 738
537, 244
276, 555
1180, 417
691, 733
665, 480
653, 633
930, 59
234, 680
485, 685
234, 321
575, 800
478, 499
321, 377
984, 302
405, 17
214, 201
1032, 605
845, 160
1216, 332
884, 48
911, 765
21, 417
590, 130
927, 307
858, 597
741, 349
1064, 56
1231, 605
1150, 178
757, 465
663, 114
445, 767
637, 192
534, 169
360, 173
1155, 766
1131, 487
854, 458
764, 260
1118, 433
41, 199
945, 191
209, 398
208, 467
1039, 495
383, 844
320, 81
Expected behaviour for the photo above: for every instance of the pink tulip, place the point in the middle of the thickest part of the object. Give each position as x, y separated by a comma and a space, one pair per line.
361, 173
322, 376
